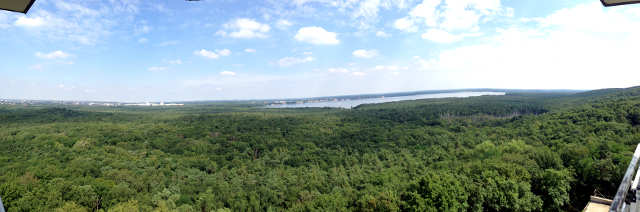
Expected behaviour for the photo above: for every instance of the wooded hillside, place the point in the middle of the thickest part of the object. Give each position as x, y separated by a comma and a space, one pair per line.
518, 152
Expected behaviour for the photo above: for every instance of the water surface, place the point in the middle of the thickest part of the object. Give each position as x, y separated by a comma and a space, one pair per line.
350, 103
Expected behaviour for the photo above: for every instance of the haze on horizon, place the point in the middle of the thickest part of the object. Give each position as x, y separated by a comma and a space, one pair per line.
132, 50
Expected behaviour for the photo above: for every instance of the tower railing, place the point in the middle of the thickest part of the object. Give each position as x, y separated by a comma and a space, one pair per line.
1, 206
627, 195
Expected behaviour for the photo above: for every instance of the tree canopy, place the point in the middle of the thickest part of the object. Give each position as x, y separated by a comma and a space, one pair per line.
518, 152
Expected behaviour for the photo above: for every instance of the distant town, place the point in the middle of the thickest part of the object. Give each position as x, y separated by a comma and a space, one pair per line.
85, 103
149, 104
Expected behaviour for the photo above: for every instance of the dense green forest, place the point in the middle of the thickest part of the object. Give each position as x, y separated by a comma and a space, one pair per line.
518, 152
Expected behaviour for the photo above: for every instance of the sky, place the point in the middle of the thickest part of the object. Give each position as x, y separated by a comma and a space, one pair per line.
174, 50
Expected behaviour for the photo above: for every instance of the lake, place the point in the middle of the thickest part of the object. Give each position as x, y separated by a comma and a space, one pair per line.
350, 103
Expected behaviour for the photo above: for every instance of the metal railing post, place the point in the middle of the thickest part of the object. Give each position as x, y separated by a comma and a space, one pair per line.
621, 195
1, 206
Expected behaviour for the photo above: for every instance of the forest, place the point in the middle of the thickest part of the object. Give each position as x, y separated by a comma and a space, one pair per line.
518, 152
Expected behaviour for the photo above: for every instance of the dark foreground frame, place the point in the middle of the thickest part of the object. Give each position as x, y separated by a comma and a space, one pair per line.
604, 2
25, 11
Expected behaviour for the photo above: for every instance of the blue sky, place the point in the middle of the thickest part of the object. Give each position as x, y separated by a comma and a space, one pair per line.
133, 50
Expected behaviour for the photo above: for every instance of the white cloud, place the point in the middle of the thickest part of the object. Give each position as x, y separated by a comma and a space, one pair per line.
346, 72
424, 64
4, 20
358, 74
363, 14
79, 22
53, 55
427, 10
125, 6
307, 53
580, 47
250, 50
227, 73
144, 29
405, 24
143, 40
448, 21
289, 61
317, 36
557, 45
175, 62
589, 18
213, 54
363, 53
368, 9
29, 22
245, 28
441, 36
338, 70
157, 68
392, 68
224, 52
283, 24
383, 34
76, 8
456, 14
207, 54
367, 12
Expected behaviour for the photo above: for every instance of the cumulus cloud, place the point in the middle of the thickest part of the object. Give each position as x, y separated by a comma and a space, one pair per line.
456, 14
317, 35
427, 10
53, 55
224, 52
142, 29
442, 36
366, 54
363, 14
80, 22
29, 22
207, 54
557, 42
227, 73
245, 28
592, 46
76, 8
448, 21
283, 24
212, 54
289, 61
405, 24
383, 34
367, 12
250, 50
